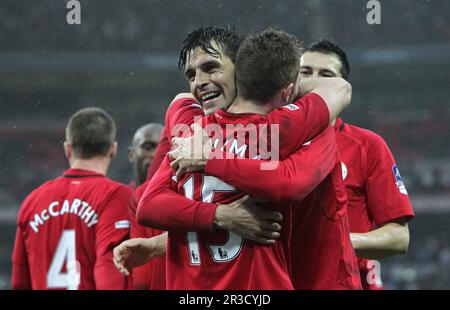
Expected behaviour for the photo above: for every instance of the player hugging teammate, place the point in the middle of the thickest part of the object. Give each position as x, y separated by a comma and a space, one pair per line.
208, 220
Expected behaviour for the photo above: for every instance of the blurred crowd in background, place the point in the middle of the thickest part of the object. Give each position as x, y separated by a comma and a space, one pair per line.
123, 57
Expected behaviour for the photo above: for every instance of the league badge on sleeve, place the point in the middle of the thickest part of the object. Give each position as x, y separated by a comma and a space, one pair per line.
292, 107
398, 180
122, 225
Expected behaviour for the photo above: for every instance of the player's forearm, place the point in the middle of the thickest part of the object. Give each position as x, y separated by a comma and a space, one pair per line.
388, 240
160, 244
290, 180
170, 211
160, 207
336, 92
275, 185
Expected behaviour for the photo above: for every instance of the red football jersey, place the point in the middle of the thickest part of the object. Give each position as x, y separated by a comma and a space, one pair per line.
220, 259
67, 230
322, 254
376, 192
151, 276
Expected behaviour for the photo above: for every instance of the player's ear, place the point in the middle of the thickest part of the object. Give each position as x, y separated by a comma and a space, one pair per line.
113, 151
130, 154
67, 150
287, 94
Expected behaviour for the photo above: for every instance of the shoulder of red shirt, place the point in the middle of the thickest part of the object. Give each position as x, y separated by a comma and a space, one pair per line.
362, 134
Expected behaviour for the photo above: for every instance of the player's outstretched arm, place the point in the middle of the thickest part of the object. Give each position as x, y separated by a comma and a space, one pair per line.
336, 92
388, 240
137, 252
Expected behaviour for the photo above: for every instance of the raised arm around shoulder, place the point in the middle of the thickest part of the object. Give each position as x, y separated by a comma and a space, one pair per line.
291, 179
183, 96
336, 92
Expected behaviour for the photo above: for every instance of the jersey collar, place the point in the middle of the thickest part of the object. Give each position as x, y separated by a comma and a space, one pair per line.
339, 125
226, 117
80, 173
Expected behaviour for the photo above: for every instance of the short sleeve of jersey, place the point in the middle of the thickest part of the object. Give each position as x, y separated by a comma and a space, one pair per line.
180, 115
387, 198
301, 121
136, 230
113, 226
19, 255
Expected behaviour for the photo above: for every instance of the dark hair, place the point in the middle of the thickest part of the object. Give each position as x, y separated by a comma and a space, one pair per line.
266, 62
226, 38
91, 132
327, 47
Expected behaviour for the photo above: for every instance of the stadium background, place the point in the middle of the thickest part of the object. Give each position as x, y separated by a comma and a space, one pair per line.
123, 58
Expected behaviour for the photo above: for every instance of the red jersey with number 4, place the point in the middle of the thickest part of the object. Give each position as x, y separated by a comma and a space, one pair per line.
376, 192
222, 260
67, 230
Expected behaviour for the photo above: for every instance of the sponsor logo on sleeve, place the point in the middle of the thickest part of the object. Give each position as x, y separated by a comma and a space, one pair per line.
344, 171
122, 225
398, 180
292, 107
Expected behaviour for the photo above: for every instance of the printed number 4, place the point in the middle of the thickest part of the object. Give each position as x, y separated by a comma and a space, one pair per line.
65, 252
221, 253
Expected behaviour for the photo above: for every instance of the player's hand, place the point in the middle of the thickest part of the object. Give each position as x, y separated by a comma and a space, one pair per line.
183, 166
245, 218
197, 146
137, 252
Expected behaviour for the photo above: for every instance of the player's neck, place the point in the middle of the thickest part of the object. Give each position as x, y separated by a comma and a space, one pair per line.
97, 164
241, 106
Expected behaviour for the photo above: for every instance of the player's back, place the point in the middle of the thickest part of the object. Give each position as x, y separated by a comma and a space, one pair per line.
68, 224
221, 259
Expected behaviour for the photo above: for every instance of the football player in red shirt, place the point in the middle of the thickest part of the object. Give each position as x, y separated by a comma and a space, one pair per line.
141, 154
142, 151
378, 203
150, 276
276, 282
69, 226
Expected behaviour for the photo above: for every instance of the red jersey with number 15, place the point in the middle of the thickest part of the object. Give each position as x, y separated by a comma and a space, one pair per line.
220, 259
